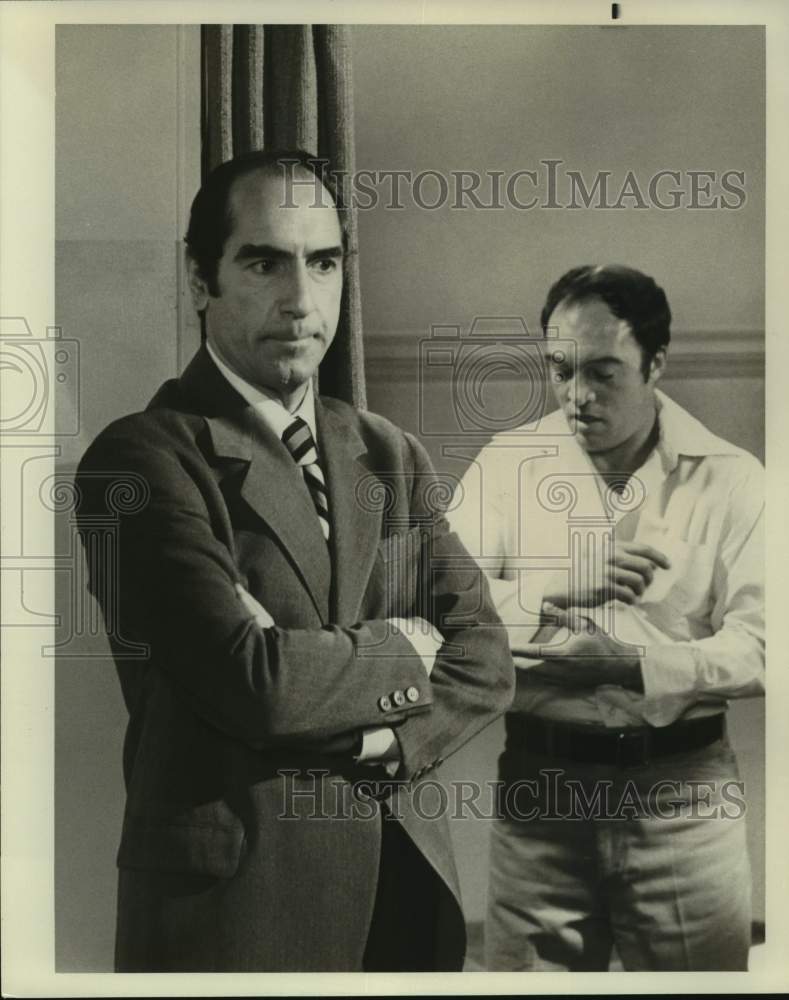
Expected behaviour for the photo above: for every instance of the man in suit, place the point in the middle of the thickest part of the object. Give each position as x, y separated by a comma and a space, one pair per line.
310, 621
636, 534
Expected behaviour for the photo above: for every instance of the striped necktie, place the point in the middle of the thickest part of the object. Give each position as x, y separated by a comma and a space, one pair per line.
297, 438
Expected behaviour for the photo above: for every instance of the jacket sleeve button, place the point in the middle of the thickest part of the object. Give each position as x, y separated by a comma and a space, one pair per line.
398, 698
412, 694
384, 703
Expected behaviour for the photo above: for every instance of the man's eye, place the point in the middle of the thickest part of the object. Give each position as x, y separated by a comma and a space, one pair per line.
326, 265
262, 266
601, 376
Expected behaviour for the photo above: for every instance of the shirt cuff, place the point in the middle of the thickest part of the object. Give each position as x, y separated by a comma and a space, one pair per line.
669, 674
380, 745
425, 639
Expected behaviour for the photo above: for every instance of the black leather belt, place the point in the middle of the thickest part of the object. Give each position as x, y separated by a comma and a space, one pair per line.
627, 747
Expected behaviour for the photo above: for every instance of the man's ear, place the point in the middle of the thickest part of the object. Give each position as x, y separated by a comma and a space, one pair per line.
657, 366
197, 285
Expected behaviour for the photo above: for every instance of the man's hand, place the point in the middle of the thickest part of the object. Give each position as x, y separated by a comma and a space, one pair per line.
255, 608
380, 746
624, 576
588, 658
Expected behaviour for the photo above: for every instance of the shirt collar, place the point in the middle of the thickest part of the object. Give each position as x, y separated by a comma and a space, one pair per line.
268, 406
681, 434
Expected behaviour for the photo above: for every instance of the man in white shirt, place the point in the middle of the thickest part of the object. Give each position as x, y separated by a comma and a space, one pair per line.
294, 586
622, 542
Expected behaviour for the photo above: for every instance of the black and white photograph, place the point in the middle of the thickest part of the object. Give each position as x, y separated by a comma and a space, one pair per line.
392, 491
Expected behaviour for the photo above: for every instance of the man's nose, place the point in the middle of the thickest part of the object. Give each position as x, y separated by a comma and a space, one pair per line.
297, 300
581, 392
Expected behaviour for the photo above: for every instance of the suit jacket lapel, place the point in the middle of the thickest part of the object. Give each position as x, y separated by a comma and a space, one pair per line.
273, 485
275, 489
356, 522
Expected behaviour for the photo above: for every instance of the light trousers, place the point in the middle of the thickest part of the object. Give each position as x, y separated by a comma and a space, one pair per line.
650, 859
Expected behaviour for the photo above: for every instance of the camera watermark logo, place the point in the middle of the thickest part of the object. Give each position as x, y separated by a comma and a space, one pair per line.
40, 378
492, 379
33, 371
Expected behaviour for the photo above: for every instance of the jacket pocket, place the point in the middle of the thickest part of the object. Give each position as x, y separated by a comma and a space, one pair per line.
171, 846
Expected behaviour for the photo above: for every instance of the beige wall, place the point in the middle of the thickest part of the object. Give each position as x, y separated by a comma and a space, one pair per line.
505, 98
127, 148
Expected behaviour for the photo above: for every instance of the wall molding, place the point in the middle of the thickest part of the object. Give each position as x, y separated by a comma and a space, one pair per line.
393, 355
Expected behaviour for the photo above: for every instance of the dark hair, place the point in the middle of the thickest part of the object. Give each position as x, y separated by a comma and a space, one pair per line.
211, 220
629, 294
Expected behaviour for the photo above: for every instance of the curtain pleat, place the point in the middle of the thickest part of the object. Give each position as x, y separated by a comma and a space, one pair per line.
217, 95
291, 88
279, 87
342, 372
248, 75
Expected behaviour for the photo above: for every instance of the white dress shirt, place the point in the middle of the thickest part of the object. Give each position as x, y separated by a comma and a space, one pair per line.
533, 495
268, 405
379, 742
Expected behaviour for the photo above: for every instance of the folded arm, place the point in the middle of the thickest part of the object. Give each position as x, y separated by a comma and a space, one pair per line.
673, 675
378, 744
176, 590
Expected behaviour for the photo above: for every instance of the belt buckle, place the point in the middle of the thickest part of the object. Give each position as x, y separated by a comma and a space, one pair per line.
631, 749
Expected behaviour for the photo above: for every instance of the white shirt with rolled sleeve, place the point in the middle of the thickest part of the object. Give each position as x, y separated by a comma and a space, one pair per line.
532, 498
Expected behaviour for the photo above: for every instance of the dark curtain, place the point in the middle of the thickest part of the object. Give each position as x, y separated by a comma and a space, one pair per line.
283, 86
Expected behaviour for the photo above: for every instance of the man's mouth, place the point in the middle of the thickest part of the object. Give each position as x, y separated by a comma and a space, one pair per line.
585, 418
291, 341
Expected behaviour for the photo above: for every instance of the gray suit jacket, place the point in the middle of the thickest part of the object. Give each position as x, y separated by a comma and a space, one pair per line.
227, 721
